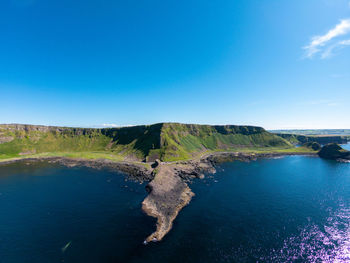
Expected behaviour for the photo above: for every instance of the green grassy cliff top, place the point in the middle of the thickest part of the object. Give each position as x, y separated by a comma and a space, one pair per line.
165, 141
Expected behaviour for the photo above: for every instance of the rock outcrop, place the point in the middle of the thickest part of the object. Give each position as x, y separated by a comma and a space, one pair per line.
333, 151
133, 170
168, 194
313, 145
6, 139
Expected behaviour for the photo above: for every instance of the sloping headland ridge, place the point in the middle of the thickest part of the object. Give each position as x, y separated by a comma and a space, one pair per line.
164, 141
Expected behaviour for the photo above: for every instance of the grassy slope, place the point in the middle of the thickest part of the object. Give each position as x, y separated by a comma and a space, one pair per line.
168, 141
184, 141
322, 139
339, 132
29, 142
137, 141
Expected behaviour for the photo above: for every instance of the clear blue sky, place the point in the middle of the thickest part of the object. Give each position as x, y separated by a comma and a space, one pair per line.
276, 64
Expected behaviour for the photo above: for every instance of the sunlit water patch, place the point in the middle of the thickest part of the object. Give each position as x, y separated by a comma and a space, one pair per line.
314, 243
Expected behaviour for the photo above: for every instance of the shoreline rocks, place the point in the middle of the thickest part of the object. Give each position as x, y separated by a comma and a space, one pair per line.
135, 171
167, 187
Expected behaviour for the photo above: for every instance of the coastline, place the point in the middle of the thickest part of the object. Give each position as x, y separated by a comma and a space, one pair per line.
168, 191
135, 170
101, 162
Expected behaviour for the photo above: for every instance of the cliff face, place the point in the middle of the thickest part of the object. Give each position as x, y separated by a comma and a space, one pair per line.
164, 141
313, 145
302, 139
183, 141
30, 139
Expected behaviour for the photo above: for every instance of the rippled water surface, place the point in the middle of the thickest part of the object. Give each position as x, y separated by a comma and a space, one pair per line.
291, 209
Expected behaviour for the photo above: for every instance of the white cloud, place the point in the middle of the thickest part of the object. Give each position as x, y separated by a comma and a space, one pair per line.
329, 52
319, 43
113, 125
110, 125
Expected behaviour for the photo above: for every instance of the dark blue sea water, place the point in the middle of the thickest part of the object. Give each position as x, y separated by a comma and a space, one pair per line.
291, 209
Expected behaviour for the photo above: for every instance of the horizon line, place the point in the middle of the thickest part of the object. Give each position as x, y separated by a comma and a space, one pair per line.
109, 126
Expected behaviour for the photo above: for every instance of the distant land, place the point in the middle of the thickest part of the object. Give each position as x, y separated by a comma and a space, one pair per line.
166, 154
315, 132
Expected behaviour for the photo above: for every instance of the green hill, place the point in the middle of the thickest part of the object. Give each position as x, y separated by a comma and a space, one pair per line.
182, 141
166, 141
321, 139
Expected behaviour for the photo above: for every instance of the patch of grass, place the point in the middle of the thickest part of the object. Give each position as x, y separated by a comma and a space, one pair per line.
79, 155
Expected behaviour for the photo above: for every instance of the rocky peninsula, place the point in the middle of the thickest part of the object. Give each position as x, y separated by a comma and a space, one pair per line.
167, 155
333, 151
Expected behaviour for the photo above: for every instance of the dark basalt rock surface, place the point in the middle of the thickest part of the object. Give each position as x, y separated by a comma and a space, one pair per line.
135, 171
333, 151
169, 193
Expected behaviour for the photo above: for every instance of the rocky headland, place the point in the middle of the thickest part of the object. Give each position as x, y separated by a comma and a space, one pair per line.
168, 194
167, 155
168, 190
333, 151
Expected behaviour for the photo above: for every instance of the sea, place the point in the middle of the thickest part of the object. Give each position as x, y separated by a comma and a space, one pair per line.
286, 209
